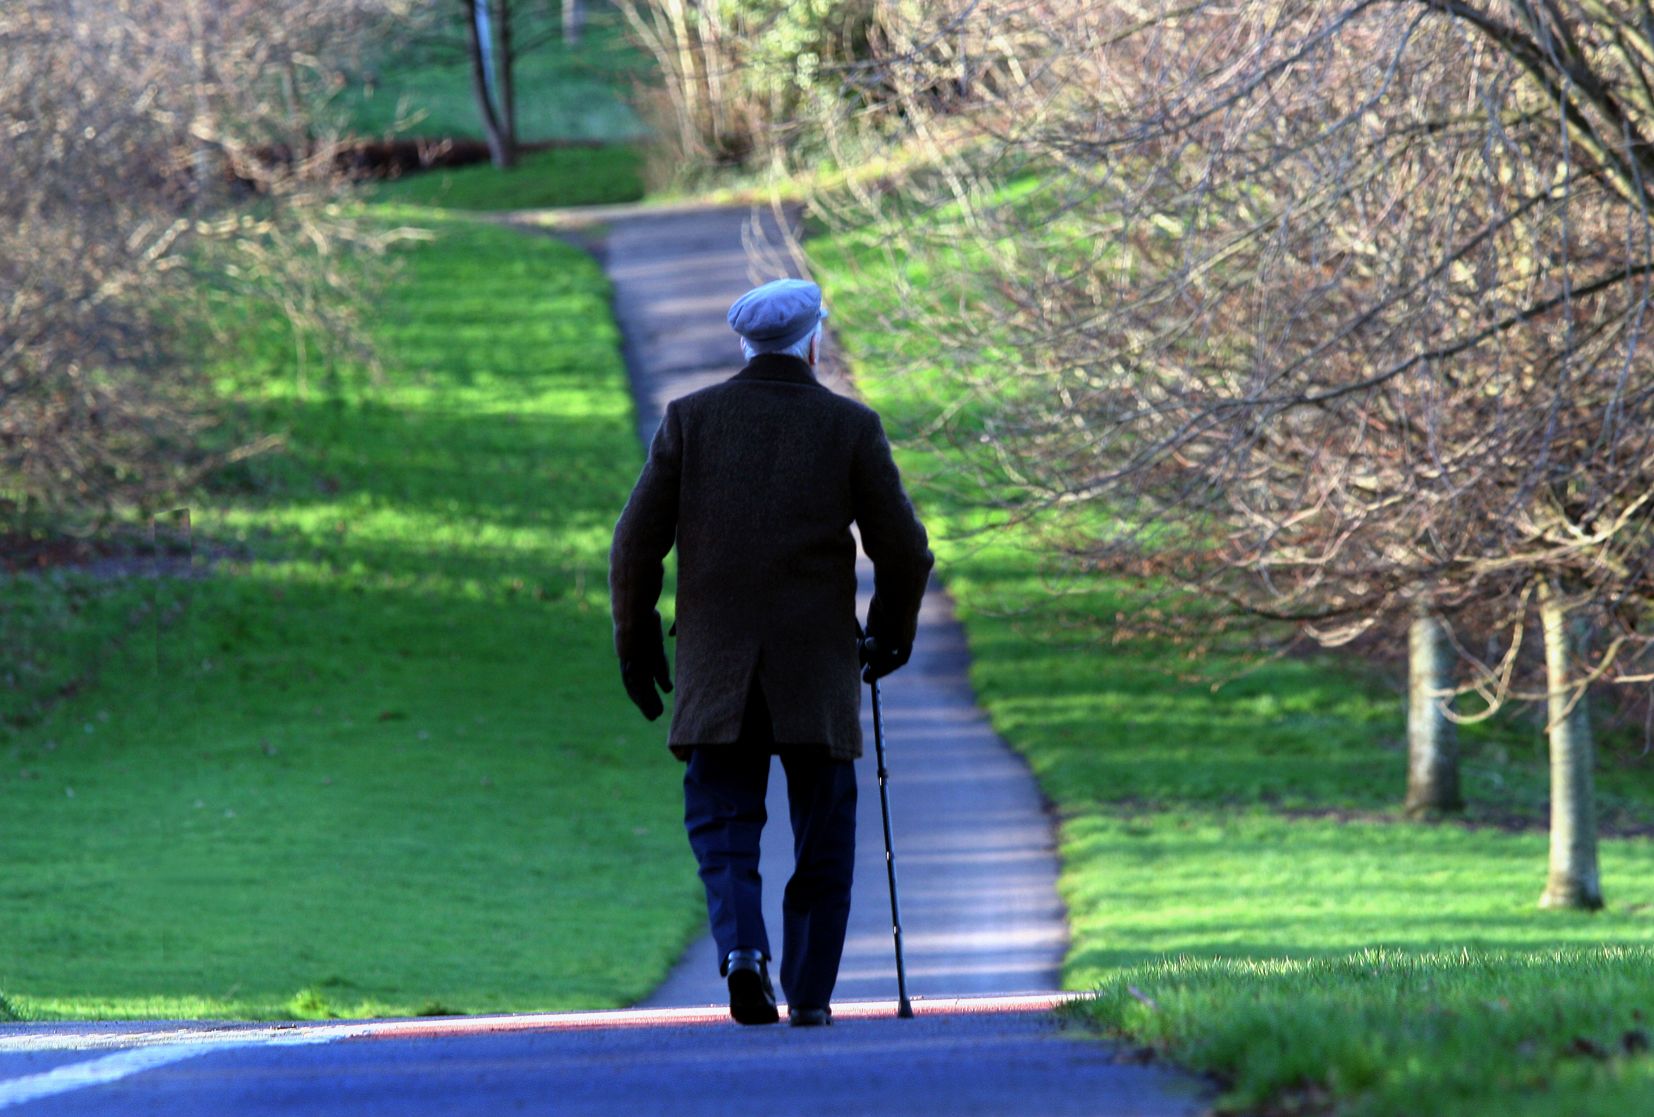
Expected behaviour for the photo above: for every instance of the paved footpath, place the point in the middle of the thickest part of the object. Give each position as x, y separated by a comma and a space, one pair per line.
974, 844
978, 874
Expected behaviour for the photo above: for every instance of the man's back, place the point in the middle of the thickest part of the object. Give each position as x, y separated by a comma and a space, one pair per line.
757, 480
766, 501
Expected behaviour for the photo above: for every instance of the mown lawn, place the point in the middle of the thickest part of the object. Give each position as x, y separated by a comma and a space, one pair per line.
375, 758
560, 176
1243, 891
577, 98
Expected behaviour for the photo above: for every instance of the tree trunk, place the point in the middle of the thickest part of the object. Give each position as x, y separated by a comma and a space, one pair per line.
1432, 746
1573, 880
204, 128
481, 44
574, 20
696, 129
505, 83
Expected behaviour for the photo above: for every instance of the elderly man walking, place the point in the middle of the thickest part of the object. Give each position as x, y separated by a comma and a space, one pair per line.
757, 481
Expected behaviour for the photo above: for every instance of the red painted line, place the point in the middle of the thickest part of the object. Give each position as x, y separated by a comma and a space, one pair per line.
25, 1039
674, 1017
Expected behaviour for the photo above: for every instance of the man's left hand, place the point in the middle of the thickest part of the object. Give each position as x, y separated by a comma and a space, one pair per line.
644, 673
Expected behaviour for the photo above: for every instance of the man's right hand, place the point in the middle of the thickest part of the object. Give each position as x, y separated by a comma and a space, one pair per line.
879, 660
645, 671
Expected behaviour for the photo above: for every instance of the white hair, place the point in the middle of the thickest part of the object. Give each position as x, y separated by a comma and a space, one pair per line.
799, 348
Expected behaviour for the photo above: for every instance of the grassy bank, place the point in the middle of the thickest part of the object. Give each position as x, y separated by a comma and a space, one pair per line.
574, 97
563, 176
1242, 889
375, 758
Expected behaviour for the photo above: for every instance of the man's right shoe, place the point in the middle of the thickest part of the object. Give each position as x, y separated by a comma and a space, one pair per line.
802, 1017
751, 996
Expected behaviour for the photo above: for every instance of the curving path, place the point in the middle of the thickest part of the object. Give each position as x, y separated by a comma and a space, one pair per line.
974, 844
980, 910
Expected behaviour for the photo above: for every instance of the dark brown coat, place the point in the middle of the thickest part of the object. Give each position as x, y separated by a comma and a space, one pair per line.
757, 480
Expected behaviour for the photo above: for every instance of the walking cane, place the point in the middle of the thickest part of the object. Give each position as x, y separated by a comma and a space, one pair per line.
904, 1008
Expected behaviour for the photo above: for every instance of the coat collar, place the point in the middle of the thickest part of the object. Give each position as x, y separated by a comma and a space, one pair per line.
778, 366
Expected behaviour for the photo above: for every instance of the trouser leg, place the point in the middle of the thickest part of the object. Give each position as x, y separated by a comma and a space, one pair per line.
723, 795
821, 797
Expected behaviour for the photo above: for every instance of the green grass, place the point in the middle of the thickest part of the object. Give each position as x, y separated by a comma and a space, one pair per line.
1450, 1033
376, 759
1242, 889
562, 176
574, 98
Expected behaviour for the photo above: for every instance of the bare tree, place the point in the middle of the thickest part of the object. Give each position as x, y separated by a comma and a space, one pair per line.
1312, 308
492, 36
488, 37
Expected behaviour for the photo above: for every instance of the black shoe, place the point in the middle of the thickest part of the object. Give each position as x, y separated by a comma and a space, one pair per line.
809, 1017
751, 996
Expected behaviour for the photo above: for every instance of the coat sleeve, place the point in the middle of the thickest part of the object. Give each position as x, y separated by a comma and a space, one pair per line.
645, 533
892, 536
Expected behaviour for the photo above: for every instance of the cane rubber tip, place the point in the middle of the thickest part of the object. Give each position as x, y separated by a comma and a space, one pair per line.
904, 1011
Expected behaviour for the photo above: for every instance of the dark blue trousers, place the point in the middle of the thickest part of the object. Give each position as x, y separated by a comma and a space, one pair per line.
723, 792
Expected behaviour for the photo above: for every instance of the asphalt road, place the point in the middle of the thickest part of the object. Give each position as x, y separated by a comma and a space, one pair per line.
1006, 1061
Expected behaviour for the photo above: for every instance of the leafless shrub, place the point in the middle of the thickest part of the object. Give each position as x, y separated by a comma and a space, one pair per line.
154, 148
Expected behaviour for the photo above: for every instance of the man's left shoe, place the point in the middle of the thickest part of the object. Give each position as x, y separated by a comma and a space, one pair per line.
751, 996
801, 1017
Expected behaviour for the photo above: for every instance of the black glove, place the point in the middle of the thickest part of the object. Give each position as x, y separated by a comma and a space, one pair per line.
879, 660
646, 669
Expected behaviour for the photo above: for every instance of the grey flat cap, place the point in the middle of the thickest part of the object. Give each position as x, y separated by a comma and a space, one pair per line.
777, 314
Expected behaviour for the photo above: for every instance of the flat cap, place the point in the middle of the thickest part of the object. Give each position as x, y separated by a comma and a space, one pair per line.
777, 314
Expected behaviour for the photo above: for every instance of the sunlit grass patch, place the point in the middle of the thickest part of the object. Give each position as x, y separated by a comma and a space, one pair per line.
385, 765
1544, 1031
1145, 885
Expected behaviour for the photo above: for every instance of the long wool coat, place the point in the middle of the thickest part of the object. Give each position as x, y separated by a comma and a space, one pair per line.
758, 480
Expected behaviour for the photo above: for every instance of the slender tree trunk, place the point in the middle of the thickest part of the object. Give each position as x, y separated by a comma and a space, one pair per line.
506, 86
652, 23
476, 19
713, 62
574, 20
208, 186
695, 129
1432, 745
1573, 880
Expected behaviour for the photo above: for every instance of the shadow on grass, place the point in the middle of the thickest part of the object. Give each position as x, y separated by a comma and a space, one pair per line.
389, 764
